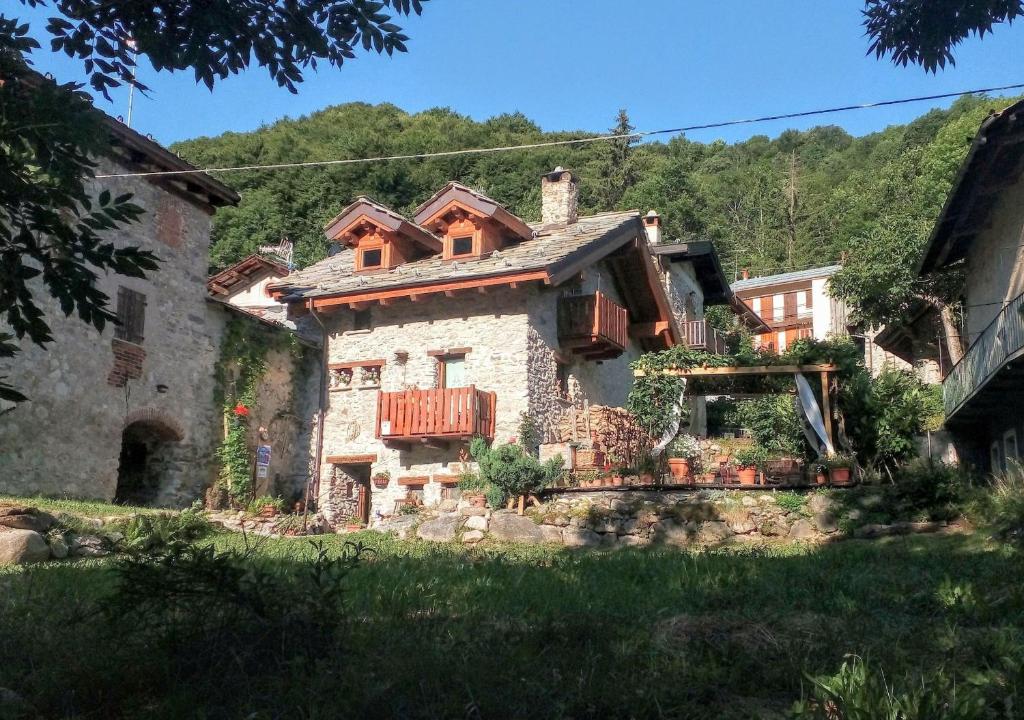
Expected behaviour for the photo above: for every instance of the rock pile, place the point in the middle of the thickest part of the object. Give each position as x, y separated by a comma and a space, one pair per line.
28, 535
629, 518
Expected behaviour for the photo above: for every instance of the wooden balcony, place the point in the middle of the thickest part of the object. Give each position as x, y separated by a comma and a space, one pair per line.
592, 326
985, 378
434, 417
701, 336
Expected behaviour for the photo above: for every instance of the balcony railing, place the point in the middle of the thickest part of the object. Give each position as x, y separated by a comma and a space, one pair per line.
592, 325
701, 336
998, 342
437, 415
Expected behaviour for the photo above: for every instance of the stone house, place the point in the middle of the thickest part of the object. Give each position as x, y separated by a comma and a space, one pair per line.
245, 285
129, 414
980, 232
464, 319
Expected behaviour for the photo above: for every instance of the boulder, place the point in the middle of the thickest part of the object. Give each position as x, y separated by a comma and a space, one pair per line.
88, 546
742, 526
748, 501
448, 505
802, 529
773, 528
559, 520
825, 521
713, 532
476, 522
674, 533
551, 533
607, 525
440, 529
58, 548
629, 527
634, 541
473, 536
22, 546
471, 511
577, 537
608, 540
819, 503
18, 517
621, 506
516, 528
400, 526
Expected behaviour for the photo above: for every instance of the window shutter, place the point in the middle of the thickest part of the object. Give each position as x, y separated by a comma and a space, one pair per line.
131, 313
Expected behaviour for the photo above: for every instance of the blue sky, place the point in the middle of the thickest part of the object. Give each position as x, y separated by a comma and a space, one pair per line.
570, 65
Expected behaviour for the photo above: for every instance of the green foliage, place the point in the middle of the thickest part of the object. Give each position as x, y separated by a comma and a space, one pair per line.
512, 471
839, 460
904, 407
684, 446
859, 692
160, 531
772, 422
790, 501
925, 32
239, 368
257, 505
753, 456
529, 433
1002, 508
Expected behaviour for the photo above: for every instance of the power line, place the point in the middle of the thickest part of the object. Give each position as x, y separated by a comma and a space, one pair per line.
556, 143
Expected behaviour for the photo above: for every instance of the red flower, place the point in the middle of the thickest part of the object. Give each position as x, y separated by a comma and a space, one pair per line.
241, 410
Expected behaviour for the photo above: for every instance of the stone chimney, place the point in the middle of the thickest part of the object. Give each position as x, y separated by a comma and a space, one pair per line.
652, 224
559, 197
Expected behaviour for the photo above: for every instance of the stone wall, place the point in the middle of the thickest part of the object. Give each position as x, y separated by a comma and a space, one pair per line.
67, 438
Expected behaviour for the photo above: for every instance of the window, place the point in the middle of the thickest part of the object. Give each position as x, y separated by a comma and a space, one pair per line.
462, 246
451, 371
371, 258
131, 314
362, 320
562, 379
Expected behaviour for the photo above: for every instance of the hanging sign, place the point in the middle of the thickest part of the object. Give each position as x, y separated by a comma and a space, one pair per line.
262, 455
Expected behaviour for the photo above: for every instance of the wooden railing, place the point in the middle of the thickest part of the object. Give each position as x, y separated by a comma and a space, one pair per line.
996, 344
701, 336
441, 413
592, 318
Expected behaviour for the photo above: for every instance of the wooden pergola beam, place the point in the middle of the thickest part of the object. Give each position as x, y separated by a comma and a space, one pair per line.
750, 370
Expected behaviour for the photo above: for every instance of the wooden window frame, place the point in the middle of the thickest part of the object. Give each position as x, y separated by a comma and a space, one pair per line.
473, 247
441, 356
131, 315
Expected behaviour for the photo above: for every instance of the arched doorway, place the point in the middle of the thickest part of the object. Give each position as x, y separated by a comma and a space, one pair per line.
148, 446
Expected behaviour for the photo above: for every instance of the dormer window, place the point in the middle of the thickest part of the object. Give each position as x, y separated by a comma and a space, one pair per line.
462, 246
371, 258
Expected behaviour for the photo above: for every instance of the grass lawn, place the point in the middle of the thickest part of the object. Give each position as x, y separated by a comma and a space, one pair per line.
83, 508
430, 631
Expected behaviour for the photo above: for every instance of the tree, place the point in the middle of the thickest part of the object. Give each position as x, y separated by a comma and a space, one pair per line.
51, 229
617, 174
924, 32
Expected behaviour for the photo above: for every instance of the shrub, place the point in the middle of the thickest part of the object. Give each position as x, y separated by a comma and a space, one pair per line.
256, 506
753, 456
511, 470
149, 533
684, 446
1005, 505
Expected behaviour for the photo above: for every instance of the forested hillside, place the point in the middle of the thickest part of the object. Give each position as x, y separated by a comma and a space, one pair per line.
770, 205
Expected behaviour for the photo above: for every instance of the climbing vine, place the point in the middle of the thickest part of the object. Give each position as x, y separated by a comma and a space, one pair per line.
241, 366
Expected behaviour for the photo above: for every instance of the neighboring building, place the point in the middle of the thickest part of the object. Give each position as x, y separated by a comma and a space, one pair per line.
130, 414
794, 305
462, 320
981, 231
245, 283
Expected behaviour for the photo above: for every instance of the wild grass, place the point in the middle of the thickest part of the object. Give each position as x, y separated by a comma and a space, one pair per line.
84, 508
430, 631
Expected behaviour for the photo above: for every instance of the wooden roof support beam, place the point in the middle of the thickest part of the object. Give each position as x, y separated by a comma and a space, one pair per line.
750, 370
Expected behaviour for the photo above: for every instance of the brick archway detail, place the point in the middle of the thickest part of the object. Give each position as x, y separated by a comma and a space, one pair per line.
167, 427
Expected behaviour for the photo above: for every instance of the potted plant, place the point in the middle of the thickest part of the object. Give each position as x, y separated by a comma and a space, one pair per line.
839, 465
473, 488
353, 524
820, 476
381, 479
748, 461
684, 457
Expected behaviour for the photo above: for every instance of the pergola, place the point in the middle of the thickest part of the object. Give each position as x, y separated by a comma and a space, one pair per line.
822, 371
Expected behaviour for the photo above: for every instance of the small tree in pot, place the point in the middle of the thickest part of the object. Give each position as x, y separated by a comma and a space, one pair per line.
748, 462
684, 457
839, 466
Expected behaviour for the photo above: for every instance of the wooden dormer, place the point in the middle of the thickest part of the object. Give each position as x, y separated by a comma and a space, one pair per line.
471, 225
381, 238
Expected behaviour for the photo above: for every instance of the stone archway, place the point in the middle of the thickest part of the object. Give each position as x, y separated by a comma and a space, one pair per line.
149, 443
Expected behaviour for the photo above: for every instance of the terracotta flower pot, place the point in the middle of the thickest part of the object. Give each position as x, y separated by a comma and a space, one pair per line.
268, 511
839, 476
820, 478
353, 527
616, 480
747, 475
709, 477
380, 483
475, 499
679, 468
646, 479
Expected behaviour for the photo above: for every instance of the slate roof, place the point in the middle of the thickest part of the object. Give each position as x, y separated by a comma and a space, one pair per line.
810, 274
550, 249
